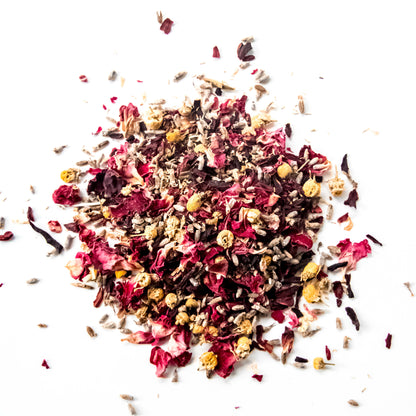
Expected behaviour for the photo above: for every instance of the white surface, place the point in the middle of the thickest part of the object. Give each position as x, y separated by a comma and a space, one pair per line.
363, 51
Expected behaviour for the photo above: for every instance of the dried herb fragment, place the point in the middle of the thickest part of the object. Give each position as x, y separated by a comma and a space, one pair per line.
32, 281
373, 239
132, 409
54, 226
301, 360
42, 325
344, 164
388, 341
45, 364
407, 284
242, 52
338, 323
353, 316
353, 403
82, 285
336, 266
50, 240
346, 342
288, 130
352, 199
8, 235
127, 397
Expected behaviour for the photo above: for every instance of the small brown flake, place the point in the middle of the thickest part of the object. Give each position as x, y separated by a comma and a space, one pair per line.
338, 323
346, 342
109, 325
407, 284
132, 409
112, 76
82, 163
32, 281
59, 149
175, 376
100, 146
127, 397
68, 242
353, 403
301, 104
42, 325
159, 16
32, 189
179, 76
91, 332
82, 285
126, 331
2, 221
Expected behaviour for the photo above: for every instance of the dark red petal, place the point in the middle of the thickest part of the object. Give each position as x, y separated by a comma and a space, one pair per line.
388, 341
343, 218
344, 164
258, 377
278, 316
328, 353
8, 235
215, 52
45, 364
166, 26
352, 199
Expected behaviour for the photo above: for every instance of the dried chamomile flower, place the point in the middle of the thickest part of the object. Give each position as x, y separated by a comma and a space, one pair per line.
182, 318
172, 223
197, 329
185, 110
191, 303
310, 271
143, 279
141, 313
155, 294
225, 239
217, 215
253, 215
259, 121
153, 119
120, 273
171, 300
245, 327
212, 331
126, 190
70, 175
208, 361
311, 292
311, 188
200, 148
319, 363
194, 203
265, 263
150, 232
243, 347
174, 136
284, 170
336, 185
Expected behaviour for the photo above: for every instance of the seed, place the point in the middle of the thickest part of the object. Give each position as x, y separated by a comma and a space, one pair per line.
353, 403
112, 76
68, 242
175, 376
132, 409
59, 149
122, 323
103, 319
109, 325
42, 325
82, 285
179, 76
91, 332
32, 281
127, 397
100, 146
301, 104
126, 331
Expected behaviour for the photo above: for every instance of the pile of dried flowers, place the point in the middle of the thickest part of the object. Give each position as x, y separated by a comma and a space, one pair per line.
201, 221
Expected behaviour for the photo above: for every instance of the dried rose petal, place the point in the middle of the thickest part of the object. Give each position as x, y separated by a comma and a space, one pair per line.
8, 235
215, 52
45, 364
344, 164
66, 195
353, 252
258, 377
83, 78
99, 130
166, 26
54, 226
352, 199
343, 218
327, 353
113, 99
353, 316
278, 316
388, 341
374, 240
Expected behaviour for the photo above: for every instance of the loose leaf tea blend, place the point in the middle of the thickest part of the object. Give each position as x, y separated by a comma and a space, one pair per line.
202, 221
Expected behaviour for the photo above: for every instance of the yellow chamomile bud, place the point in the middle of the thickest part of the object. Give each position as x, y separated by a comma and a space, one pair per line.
197, 329
106, 212
120, 273
150, 232
225, 239
212, 331
258, 121
208, 360
70, 175
154, 120
243, 347
310, 271
319, 363
265, 263
200, 148
155, 294
311, 188
336, 186
194, 203
284, 170
191, 303
245, 327
253, 215
311, 293
182, 318
143, 279
171, 300
174, 136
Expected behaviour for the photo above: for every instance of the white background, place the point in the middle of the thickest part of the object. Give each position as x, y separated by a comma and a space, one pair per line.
363, 50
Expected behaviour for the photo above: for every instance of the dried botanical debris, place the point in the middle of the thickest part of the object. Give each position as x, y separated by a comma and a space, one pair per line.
388, 341
210, 222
